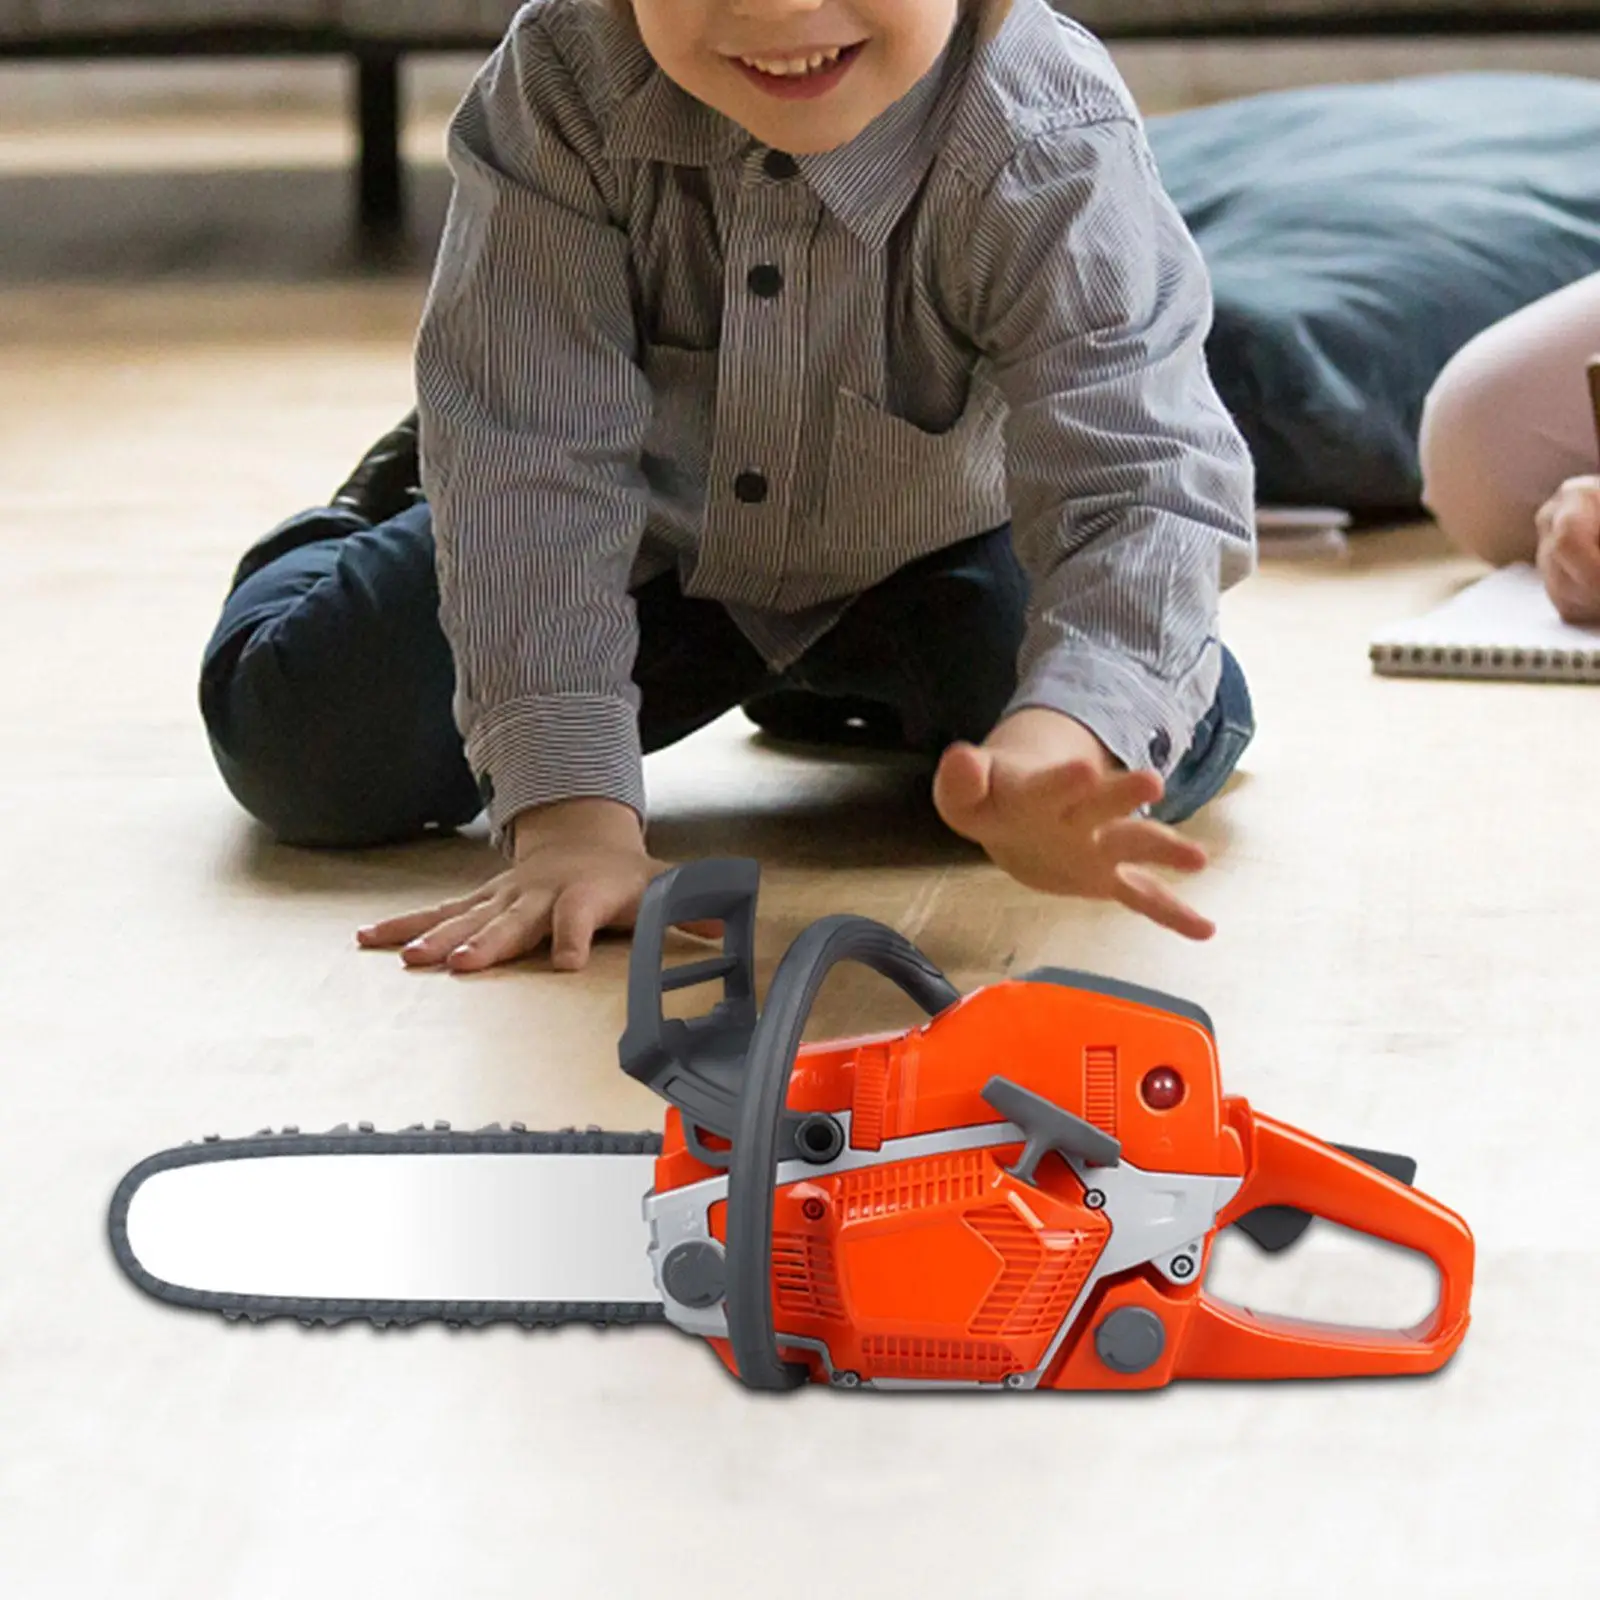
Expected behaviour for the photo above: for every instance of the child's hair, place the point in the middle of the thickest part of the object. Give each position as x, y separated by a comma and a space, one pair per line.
991, 13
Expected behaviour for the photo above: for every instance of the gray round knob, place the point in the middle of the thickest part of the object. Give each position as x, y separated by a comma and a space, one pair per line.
1130, 1340
694, 1274
820, 1139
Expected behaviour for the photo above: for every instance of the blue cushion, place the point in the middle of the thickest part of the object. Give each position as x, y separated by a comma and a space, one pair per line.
1357, 237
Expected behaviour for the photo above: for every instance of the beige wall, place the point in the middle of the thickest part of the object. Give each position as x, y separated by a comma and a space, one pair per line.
1161, 75
1192, 74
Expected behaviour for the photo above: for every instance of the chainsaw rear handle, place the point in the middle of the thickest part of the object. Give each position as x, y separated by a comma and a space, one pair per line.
1291, 1168
753, 1164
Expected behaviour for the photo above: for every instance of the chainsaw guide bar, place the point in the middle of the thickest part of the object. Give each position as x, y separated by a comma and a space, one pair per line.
365, 1140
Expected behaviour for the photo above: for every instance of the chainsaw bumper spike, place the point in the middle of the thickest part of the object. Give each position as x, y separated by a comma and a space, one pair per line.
1020, 1193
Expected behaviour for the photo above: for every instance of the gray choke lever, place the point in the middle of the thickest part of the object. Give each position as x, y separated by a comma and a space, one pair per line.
1047, 1127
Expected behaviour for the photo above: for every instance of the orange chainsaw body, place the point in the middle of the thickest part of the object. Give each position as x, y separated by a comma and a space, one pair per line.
945, 1267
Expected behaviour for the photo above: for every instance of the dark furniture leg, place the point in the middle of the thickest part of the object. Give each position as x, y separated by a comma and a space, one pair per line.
381, 190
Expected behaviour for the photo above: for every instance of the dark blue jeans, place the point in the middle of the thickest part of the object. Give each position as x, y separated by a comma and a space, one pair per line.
327, 686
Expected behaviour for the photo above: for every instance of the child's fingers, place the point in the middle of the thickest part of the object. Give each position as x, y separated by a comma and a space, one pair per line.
961, 786
578, 913
1061, 787
1576, 520
1139, 841
1579, 557
1141, 892
518, 930
430, 948
1117, 796
1574, 593
403, 929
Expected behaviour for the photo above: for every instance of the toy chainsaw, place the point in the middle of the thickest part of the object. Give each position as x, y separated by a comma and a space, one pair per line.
1022, 1192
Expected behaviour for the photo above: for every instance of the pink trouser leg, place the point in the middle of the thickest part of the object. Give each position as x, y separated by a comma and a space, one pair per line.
1509, 421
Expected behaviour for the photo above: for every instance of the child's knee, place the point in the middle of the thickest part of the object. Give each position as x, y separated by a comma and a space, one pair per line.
1456, 420
272, 746
328, 702
312, 759
1463, 413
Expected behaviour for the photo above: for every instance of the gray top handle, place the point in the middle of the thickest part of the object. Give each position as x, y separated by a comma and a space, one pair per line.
696, 1063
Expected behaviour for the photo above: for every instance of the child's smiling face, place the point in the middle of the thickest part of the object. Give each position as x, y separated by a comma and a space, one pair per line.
800, 75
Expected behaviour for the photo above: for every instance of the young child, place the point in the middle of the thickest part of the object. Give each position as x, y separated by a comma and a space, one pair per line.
839, 359
1510, 460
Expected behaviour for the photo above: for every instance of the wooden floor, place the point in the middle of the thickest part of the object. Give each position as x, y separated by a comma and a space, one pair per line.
1406, 885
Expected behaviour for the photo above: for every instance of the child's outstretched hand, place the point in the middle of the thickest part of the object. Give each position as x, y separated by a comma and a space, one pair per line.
1056, 814
581, 867
1568, 558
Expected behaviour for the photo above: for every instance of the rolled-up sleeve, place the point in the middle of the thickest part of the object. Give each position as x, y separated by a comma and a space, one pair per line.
533, 415
1131, 490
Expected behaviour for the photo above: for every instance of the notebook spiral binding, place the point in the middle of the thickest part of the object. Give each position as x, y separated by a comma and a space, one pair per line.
1577, 666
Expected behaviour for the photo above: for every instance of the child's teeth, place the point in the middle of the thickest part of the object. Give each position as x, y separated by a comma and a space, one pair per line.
794, 68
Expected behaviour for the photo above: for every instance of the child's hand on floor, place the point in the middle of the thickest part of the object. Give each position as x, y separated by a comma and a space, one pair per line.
1049, 805
1568, 557
580, 866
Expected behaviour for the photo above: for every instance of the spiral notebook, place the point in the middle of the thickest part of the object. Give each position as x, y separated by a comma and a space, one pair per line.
1502, 626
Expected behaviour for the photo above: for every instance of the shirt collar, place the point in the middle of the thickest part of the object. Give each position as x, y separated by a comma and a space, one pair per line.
867, 184
657, 121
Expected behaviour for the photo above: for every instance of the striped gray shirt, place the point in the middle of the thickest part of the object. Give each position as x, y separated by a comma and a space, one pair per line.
989, 310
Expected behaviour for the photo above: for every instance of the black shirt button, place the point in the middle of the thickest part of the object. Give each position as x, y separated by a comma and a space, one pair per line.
1160, 747
765, 281
750, 487
780, 166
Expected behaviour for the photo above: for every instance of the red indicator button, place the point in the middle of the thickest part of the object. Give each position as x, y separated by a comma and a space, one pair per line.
1161, 1089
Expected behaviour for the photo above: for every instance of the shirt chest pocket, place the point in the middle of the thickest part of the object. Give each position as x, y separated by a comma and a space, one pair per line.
896, 491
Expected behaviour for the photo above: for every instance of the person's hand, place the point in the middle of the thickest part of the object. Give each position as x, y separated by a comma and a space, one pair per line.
1062, 822
1568, 525
581, 866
